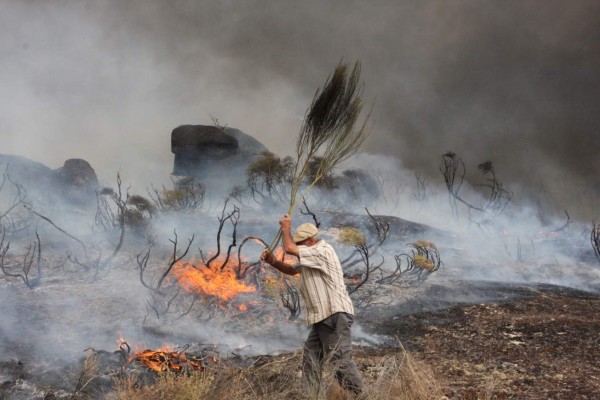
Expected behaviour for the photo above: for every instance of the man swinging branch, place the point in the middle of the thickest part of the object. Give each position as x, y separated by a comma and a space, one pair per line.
328, 307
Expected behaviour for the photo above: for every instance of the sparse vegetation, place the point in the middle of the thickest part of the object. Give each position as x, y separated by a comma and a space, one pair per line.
414, 267
453, 170
10, 219
397, 375
21, 266
187, 195
270, 176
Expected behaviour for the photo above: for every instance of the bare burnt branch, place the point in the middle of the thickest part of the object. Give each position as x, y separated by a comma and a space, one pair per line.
142, 260
105, 218
95, 264
566, 224
189, 308
153, 308
420, 194
241, 270
175, 258
18, 198
57, 227
364, 253
32, 255
234, 222
453, 170
290, 298
4, 176
233, 215
414, 267
382, 226
595, 240
170, 301
499, 197
121, 204
308, 212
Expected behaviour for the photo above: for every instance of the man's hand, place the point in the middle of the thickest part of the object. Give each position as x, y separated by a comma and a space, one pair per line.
285, 223
268, 257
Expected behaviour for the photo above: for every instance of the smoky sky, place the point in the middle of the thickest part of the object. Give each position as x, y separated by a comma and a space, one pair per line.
514, 82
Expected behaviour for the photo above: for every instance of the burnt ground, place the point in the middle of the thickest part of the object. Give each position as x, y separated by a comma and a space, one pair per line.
482, 340
531, 342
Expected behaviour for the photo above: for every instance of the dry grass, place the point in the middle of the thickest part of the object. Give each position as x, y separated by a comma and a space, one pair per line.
402, 377
352, 236
394, 376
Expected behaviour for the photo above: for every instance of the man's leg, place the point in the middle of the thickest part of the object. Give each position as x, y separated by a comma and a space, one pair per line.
311, 363
336, 337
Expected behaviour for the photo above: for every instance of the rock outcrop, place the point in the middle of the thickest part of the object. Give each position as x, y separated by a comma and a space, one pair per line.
78, 179
75, 181
214, 155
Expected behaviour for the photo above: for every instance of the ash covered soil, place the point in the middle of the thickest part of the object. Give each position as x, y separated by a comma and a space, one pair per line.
531, 342
523, 342
481, 339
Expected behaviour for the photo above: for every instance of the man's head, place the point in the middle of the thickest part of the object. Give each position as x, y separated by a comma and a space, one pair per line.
306, 235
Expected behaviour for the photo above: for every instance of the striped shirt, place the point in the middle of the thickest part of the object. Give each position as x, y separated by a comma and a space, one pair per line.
322, 282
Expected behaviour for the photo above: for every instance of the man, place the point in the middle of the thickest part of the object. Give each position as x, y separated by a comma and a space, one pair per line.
328, 307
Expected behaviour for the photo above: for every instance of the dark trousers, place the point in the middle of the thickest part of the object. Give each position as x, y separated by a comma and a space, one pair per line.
330, 340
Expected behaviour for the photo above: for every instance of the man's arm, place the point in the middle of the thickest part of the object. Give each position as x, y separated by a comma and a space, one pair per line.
283, 267
288, 244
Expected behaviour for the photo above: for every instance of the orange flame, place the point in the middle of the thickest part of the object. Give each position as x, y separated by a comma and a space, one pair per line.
211, 281
160, 361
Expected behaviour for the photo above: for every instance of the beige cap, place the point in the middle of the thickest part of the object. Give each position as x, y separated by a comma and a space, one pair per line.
304, 232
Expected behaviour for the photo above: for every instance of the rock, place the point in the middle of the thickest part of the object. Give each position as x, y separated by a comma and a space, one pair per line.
78, 173
78, 180
217, 157
75, 180
26, 172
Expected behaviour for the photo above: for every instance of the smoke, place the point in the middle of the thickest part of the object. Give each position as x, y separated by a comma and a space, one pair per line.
107, 81
514, 82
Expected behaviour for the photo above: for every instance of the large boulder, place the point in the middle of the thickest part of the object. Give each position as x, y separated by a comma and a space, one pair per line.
74, 181
79, 174
216, 156
78, 180
26, 172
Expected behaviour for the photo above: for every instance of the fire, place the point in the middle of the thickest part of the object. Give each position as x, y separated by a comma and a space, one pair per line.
211, 281
161, 361
166, 358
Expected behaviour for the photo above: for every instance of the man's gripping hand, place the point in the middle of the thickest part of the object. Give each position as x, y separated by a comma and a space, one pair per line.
286, 223
268, 257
